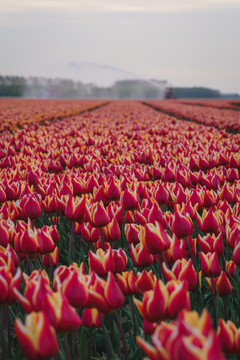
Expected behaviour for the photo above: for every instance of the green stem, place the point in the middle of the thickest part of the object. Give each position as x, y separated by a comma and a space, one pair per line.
105, 337
214, 305
9, 333
133, 317
103, 241
51, 267
67, 348
29, 264
71, 244
122, 336
2, 333
90, 342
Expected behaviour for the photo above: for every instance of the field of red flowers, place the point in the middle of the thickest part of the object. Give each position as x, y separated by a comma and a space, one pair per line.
119, 230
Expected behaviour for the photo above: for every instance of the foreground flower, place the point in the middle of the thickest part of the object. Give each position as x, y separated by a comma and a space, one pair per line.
31, 205
97, 215
140, 257
181, 225
229, 336
60, 313
210, 265
154, 238
37, 337
8, 283
210, 221
182, 270
91, 318
220, 284
106, 296
129, 199
165, 301
37, 286
190, 337
75, 289
127, 282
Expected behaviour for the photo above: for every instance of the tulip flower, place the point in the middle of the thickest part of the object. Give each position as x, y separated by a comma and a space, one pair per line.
227, 193
97, 215
165, 301
37, 337
51, 259
161, 194
106, 296
210, 221
211, 243
91, 318
3, 196
129, 199
102, 262
99, 194
112, 231
229, 336
31, 205
8, 258
232, 235
181, 225
202, 348
36, 288
140, 257
27, 241
113, 190
176, 251
89, 233
154, 238
127, 282
120, 260
190, 334
132, 232
182, 270
191, 319
75, 209
236, 254
149, 327
220, 284
61, 315
8, 283
7, 232
145, 281
46, 243
75, 289
116, 211
50, 204
230, 267
210, 265
155, 214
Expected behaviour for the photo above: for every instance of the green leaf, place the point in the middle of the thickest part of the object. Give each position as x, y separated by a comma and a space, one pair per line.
83, 348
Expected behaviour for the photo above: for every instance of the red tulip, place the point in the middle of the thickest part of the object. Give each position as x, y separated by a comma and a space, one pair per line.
229, 336
129, 199
140, 257
61, 315
91, 318
181, 225
182, 270
210, 265
97, 215
37, 337
154, 238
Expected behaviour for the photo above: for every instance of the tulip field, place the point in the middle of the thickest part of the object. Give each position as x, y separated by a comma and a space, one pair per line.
119, 229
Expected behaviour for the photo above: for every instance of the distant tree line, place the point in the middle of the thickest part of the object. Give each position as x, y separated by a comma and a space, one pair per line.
37, 87
196, 93
12, 86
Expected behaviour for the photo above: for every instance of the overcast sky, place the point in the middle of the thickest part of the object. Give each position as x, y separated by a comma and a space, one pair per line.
185, 42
